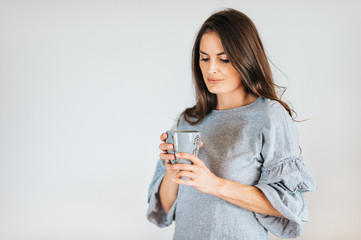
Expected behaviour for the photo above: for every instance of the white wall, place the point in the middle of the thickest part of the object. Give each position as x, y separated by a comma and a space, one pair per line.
87, 87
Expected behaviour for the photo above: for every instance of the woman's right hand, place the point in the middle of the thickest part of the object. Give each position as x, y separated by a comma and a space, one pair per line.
168, 189
164, 154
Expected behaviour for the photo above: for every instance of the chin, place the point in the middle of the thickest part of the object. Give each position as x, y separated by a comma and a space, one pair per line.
215, 90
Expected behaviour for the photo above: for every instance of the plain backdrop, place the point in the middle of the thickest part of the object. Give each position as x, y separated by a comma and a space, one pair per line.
87, 87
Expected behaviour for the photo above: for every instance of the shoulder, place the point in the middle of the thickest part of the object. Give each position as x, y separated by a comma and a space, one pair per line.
182, 123
278, 121
272, 109
276, 118
273, 112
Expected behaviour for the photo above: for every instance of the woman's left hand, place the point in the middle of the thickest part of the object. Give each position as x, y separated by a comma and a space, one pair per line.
201, 178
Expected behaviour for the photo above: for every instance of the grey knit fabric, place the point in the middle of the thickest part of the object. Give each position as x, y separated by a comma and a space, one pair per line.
258, 145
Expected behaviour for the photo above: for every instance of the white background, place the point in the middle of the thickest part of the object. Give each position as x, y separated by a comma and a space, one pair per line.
87, 87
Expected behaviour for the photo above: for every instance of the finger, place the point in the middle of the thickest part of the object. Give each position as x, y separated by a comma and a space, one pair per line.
163, 137
182, 181
167, 163
165, 146
166, 156
193, 158
182, 167
187, 174
201, 144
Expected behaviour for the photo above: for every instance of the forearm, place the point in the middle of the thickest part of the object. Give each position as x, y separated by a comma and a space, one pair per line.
168, 192
245, 196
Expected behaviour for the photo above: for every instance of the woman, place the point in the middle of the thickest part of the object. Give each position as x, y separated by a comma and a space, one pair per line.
249, 177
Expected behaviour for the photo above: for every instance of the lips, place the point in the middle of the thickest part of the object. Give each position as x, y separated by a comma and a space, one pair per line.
211, 80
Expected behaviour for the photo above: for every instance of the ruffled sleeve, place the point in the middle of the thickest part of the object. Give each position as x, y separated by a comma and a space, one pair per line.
284, 177
155, 212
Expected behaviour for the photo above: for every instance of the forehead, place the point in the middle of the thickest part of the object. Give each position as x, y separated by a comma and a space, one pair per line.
211, 43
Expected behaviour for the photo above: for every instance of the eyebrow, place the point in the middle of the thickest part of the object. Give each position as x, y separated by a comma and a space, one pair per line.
221, 53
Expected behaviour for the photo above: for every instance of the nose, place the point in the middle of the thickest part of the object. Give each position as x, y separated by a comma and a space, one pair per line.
212, 67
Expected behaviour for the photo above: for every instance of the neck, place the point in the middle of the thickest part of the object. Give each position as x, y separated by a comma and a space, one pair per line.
234, 99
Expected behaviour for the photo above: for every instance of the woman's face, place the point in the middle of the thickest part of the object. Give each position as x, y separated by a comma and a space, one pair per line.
219, 75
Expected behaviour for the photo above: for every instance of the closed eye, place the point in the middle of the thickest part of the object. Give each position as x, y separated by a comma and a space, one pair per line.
207, 59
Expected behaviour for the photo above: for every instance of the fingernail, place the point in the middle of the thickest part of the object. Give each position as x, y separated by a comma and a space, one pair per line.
177, 154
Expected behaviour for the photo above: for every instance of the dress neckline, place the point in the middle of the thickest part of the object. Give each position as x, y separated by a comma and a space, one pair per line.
238, 108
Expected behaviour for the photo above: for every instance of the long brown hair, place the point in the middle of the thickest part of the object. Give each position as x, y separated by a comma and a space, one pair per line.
244, 49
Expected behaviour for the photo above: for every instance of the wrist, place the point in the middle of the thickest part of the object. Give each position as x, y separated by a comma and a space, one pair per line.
168, 177
219, 187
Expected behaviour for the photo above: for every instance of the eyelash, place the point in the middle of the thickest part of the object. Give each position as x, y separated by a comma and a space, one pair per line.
206, 60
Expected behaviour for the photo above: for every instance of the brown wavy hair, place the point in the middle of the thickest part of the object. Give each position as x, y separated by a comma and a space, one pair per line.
244, 49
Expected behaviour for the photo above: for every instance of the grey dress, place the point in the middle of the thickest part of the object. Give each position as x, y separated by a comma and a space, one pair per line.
257, 145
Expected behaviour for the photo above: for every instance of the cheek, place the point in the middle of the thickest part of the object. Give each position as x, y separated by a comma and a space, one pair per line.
202, 67
233, 74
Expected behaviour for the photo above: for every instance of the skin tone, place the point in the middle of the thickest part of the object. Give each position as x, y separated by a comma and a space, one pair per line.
214, 64
222, 79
